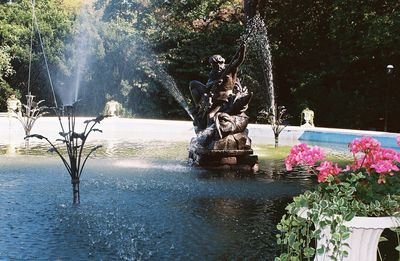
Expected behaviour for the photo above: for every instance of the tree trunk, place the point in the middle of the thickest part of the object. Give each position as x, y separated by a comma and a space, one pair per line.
75, 191
276, 140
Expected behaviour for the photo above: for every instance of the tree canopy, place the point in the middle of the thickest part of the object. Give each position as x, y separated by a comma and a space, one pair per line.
330, 56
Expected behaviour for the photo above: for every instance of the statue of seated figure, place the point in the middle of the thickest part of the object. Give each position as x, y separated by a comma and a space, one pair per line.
113, 108
308, 116
221, 102
223, 91
220, 121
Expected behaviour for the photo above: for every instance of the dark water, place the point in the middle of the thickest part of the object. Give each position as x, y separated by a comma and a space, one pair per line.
139, 202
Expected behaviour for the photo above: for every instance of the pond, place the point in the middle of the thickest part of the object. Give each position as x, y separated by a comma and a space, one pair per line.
142, 201
139, 201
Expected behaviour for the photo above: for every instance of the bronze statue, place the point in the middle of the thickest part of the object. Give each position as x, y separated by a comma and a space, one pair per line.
223, 91
219, 117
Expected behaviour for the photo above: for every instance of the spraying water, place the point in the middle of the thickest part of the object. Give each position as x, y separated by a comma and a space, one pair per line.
78, 57
259, 34
78, 53
168, 82
82, 46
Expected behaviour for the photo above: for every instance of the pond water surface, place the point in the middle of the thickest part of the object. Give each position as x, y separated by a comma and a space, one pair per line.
140, 201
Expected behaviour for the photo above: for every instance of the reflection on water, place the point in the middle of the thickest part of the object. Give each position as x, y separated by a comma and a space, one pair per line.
149, 149
139, 202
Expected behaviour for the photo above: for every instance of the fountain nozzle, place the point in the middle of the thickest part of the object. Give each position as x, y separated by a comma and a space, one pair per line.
67, 109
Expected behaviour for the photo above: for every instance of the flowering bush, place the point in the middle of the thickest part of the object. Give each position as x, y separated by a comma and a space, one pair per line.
368, 186
367, 154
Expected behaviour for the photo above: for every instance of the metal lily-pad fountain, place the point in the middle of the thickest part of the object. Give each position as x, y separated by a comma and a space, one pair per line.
74, 143
31, 111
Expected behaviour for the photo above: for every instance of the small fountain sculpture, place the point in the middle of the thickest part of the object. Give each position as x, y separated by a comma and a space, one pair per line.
74, 142
220, 121
277, 119
30, 112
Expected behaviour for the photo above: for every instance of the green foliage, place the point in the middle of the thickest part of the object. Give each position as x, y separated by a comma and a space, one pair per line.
336, 50
6, 71
54, 23
325, 54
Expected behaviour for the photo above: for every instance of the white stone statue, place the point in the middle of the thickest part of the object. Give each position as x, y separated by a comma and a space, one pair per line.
308, 116
13, 105
113, 108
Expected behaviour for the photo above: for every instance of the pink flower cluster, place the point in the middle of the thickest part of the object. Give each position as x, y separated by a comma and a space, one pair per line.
301, 154
368, 154
326, 169
364, 144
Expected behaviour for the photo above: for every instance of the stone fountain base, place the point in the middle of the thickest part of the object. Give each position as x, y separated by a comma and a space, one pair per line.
230, 153
225, 159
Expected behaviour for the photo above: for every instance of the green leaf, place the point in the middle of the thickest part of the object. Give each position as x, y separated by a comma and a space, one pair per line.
321, 250
349, 216
309, 252
345, 235
323, 204
383, 239
291, 239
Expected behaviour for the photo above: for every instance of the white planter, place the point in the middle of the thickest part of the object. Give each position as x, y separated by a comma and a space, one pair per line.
364, 237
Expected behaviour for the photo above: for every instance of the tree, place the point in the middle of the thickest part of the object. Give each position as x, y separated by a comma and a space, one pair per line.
15, 32
6, 71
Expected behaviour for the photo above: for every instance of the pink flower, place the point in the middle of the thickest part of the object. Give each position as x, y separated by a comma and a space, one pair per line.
326, 169
384, 166
379, 160
386, 154
364, 144
368, 156
301, 154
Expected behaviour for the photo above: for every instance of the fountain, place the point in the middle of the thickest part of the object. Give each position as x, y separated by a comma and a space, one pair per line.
30, 113
260, 38
168, 83
143, 201
277, 119
78, 52
220, 120
74, 144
